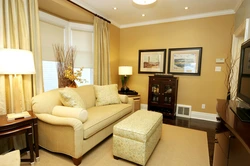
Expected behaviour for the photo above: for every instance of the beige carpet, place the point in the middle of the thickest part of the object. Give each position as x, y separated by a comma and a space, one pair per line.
178, 147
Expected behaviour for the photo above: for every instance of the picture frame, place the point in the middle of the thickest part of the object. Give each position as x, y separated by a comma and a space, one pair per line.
186, 61
152, 61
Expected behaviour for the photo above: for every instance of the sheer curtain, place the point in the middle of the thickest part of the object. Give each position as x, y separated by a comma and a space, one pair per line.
19, 29
101, 52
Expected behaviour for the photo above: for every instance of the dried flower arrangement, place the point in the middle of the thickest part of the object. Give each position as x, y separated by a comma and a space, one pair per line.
65, 66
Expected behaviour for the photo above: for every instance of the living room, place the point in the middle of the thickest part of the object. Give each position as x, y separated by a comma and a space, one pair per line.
212, 33
180, 34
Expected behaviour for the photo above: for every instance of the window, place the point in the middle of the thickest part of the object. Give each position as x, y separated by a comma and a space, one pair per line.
57, 31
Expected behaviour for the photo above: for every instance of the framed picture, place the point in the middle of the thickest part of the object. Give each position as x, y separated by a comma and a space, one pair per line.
185, 61
152, 61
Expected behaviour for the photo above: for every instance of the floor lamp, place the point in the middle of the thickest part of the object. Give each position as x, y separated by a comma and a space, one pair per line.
14, 62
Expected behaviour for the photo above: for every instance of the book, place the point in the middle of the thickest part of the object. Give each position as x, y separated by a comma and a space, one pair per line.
14, 116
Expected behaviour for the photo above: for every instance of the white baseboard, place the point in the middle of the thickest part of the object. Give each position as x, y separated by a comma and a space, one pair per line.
144, 107
204, 116
194, 114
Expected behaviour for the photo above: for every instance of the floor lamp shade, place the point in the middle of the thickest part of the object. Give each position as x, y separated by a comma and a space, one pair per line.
16, 61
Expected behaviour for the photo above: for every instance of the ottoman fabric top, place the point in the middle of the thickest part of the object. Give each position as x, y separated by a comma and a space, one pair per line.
138, 126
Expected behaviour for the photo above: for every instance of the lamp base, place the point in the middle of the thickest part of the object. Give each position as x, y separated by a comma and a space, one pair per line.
124, 89
127, 92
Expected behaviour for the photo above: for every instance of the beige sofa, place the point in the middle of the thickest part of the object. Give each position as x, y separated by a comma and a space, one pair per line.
71, 136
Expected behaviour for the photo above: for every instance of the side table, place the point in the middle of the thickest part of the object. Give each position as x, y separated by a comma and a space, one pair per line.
137, 101
20, 126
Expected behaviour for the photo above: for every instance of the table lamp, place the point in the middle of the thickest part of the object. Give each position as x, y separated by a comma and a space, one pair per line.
16, 61
125, 72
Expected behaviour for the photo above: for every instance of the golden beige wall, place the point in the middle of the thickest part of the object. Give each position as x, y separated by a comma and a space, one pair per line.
114, 52
213, 34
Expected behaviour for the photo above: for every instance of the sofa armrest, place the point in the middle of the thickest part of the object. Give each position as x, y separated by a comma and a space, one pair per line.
61, 121
124, 98
61, 134
131, 101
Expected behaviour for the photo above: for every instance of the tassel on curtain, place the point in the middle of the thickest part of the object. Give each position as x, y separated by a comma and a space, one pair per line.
19, 29
101, 52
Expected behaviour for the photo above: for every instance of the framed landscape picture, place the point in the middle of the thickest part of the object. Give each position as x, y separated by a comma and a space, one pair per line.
152, 61
185, 61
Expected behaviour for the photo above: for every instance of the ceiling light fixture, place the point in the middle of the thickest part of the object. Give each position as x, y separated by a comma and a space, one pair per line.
186, 8
144, 2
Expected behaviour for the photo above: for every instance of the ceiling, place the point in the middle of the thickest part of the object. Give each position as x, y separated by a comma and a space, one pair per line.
129, 14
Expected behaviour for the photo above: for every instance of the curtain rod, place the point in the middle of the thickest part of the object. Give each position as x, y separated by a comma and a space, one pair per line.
89, 11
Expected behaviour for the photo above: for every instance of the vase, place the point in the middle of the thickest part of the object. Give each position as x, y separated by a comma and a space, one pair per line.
72, 85
65, 82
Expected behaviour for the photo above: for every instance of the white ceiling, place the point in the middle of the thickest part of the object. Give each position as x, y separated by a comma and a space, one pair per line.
129, 14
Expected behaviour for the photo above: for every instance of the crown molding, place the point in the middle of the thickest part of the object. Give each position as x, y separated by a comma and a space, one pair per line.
196, 16
238, 5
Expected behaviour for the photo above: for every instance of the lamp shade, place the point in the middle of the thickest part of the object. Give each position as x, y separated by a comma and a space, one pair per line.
144, 2
16, 61
125, 70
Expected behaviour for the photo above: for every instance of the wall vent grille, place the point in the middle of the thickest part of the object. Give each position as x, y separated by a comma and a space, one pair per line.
183, 110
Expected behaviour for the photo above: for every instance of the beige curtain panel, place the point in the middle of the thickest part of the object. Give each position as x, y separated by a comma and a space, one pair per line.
101, 52
19, 29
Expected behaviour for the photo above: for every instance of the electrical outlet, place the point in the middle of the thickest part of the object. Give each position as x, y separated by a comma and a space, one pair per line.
203, 106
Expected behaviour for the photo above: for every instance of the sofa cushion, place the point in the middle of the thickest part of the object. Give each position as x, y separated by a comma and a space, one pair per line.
103, 116
87, 94
106, 94
70, 98
70, 112
45, 102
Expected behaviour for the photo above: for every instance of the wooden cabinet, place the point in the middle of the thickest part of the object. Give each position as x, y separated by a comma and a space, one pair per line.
162, 94
229, 151
232, 140
221, 146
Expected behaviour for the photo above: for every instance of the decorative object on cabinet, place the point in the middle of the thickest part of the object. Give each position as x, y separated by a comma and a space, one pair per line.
152, 61
185, 61
16, 62
162, 94
125, 72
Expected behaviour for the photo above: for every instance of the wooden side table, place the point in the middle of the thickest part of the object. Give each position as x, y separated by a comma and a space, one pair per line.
137, 101
20, 126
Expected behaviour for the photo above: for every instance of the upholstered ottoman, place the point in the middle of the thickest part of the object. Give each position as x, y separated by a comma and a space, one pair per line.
135, 137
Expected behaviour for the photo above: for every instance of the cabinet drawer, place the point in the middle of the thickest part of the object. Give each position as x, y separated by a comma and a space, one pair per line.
223, 141
219, 159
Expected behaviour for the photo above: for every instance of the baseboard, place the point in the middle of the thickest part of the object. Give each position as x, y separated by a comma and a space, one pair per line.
204, 116
144, 107
194, 114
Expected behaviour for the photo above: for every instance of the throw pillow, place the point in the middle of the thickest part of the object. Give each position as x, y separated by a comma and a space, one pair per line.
70, 98
106, 94
70, 112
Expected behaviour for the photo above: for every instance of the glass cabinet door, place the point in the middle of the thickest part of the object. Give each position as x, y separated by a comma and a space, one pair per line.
168, 90
155, 93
